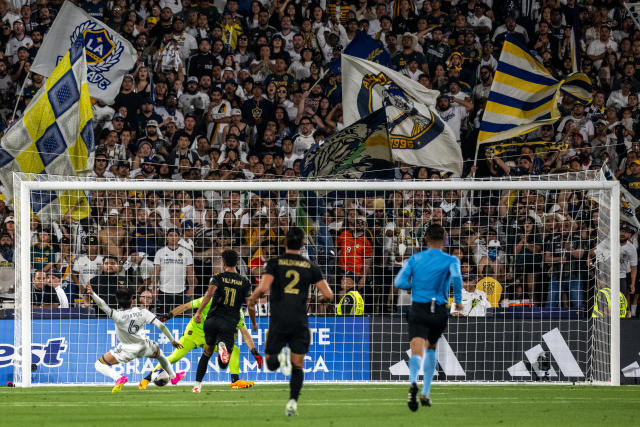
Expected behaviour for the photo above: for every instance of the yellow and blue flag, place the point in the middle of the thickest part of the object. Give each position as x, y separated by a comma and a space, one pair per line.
54, 136
524, 94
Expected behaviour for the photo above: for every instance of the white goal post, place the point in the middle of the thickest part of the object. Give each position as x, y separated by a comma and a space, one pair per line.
525, 338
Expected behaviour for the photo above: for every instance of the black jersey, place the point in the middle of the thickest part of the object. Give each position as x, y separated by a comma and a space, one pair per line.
293, 275
232, 289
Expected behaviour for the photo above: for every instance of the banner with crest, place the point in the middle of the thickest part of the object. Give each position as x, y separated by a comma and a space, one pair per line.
417, 135
109, 56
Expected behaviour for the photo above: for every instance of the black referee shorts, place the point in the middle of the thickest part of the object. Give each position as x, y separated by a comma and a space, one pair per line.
298, 338
427, 325
218, 330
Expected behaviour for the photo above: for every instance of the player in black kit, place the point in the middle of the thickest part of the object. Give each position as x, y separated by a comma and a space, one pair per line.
289, 278
229, 291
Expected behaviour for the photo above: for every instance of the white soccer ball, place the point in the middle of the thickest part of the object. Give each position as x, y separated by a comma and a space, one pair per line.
160, 377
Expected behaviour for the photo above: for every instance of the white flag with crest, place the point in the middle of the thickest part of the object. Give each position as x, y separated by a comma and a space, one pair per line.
109, 55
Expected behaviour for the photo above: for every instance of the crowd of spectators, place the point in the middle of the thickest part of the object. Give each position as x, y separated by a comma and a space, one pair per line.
236, 90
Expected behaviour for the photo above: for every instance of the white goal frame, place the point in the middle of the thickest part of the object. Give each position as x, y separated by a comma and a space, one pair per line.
23, 189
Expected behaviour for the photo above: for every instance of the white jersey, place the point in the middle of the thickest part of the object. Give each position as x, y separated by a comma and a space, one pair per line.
173, 268
86, 268
474, 304
628, 259
130, 324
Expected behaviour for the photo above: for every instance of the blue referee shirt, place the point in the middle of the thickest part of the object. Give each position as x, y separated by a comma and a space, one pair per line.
428, 275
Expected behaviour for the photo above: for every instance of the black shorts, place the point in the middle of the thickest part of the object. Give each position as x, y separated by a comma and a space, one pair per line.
427, 325
218, 330
298, 338
624, 285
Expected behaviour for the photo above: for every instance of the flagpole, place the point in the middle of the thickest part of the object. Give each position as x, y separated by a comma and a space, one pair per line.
15, 108
323, 73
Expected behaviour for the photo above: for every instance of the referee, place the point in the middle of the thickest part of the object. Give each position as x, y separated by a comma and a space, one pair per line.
428, 274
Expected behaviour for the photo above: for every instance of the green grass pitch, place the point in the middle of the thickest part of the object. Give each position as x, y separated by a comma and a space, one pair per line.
320, 405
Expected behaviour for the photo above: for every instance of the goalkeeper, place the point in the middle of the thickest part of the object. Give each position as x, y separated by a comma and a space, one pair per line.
193, 337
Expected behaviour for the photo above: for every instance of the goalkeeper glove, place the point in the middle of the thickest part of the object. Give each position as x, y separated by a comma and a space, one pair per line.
257, 356
165, 317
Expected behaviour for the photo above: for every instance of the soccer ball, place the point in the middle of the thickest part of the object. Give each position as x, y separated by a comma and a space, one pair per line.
160, 377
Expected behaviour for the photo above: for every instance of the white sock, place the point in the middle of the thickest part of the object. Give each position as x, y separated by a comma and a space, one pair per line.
634, 308
106, 370
164, 362
198, 384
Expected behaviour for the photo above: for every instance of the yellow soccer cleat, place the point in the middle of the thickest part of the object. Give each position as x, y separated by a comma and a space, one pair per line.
121, 381
242, 384
143, 384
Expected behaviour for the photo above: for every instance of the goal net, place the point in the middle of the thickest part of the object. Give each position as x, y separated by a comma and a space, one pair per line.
536, 258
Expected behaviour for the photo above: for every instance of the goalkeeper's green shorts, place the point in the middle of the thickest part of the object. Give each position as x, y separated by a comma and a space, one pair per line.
191, 342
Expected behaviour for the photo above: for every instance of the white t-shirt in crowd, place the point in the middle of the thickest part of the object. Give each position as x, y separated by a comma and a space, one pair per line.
173, 268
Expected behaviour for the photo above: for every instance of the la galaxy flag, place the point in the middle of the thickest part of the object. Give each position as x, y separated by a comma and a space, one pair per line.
634, 12
109, 55
359, 151
524, 94
366, 47
417, 135
366, 84
54, 136
421, 137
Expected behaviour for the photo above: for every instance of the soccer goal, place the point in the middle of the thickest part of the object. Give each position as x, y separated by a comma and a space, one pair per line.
537, 259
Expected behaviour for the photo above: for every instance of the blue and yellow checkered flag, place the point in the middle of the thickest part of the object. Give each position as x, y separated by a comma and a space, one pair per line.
54, 136
524, 94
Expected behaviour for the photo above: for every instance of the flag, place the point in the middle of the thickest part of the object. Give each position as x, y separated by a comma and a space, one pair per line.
359, 151
578, 87
628, 203
365, 84
421, 137
574, 51
417, 135
524, 94
54, 136
634, 12
366, 47
109, 55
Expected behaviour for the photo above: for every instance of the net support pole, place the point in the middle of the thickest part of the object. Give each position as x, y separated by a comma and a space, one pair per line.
25, 284
615, 283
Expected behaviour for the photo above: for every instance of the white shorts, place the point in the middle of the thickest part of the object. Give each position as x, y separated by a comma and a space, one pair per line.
127, 352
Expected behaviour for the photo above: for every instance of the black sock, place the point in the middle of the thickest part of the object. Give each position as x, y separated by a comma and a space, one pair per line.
148, 377
234, 377
295, 384
273, 363
202, 367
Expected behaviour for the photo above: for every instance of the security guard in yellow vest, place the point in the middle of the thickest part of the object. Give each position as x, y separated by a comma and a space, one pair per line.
605, 293
353, 304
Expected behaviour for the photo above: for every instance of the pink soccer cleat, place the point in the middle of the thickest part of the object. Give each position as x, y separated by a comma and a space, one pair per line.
179, 376
119, 383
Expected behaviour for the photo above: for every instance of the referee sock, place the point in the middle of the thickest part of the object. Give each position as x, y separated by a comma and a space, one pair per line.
429, 368
414, 367
166, 365
202, 367
295, 383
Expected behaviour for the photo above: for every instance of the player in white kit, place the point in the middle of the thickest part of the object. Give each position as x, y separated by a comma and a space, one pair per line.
130, 323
